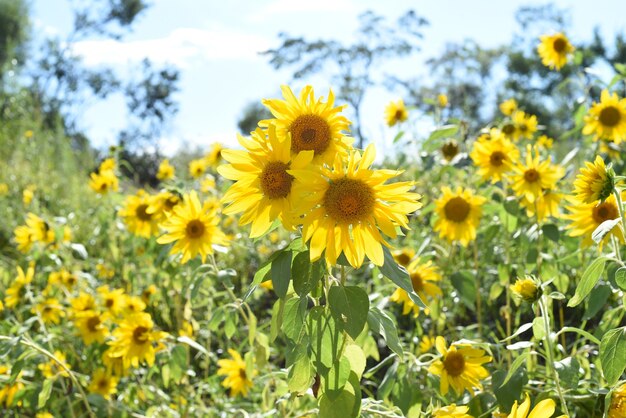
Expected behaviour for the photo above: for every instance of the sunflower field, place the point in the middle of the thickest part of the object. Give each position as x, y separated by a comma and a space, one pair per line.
475, 273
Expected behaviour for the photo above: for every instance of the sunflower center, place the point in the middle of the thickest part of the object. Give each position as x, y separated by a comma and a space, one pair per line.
141, 212
531, 175
604, 212
417, 281
497, 158
103, 186
399, 114
450, 150
457, 209
610, 116
454, 363
559, 45
93, 322
195, 229
275, 181
403, 259
349, 201
171, 201
109, 302
140, 335
242, 374
508, 129
522, 127
103, 384
310, 132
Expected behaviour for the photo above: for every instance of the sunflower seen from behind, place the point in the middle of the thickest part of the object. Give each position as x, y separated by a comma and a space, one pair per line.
237, 380
606, 120
396, 113
194, 228
314, 125
458, 215
459, 367
424, 276
346, 207
554, 50
494, 156
532, 176
263, 188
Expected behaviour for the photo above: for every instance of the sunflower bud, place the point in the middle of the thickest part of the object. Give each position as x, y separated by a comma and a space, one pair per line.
526, 289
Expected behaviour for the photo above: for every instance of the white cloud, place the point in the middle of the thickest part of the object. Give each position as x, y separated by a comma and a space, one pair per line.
179, 48
280, 7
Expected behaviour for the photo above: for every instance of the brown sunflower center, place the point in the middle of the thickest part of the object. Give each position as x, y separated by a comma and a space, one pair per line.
349, 200
275, 181
142, 212
103, 186
171, 201
604, 212
399, 114
103, 384
109, 302
531, 175
140, 335
497, 158
508, 129
403, 259
522, 127
71, 281
559, 45
450, 150
457, 209
310, 132
454, 363
242, 374
195, 229
417, 281
610, 116
93, 322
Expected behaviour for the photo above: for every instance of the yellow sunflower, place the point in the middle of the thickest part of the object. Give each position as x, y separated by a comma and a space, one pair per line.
163, 203
404, 256
83, 302
458, 215
396, 112
166, 171
426, 344
525, 125
314, 125
54, 367
112, 300
607, 119
494, 157
8, 391
526, 289
197, 167
237, 377
452, 411
460, 367
442, 100
133, 304
264, 189
91, 326
136, 216
103, 384
104, 182
194, 228
345, 205
545, 141
508, 106
544, 409
423, 277
554, 50
594, 182
15, 292
50, 311
544, 206
214, 157
134, 339
35, 230
617, 408
586, 217
530, 179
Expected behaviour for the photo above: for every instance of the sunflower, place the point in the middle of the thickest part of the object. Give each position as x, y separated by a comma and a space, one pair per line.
147, 293
594, 182
133, 304
544, 141
530, 179
194, 228
55, 367
426, 344
508, 106
112, 300
544, 409
345, 205
16, 291
103, 182
404, 256
9, 390
617, 408
314, 125
28, 194
442, 100
554, 50
544, 206
35, 230
451, 411
214, 157
133, 340
83, 302
108, 164
458, 215
50, 311
136, 216
163, 203
607, 119
114, 365
586, 217
494, 157
525, 125
237, 378
197, 167
423, 276
450, 149
264, 189
91, 326
62, 278
396, 112
103, 384
166, 171
526, 289
460, 366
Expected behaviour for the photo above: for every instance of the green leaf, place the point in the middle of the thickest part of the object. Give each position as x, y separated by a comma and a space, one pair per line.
443, 132
398, 136
613, 354
382, 324
44, 395
349, 306
178, 363
300, 375
465, 284
281, 273
338, 374
579, 331
345, 403
597, 301
305, 275
551, 231
508, 393
398, 274
588, 281
192, 343
539, 329
326, 339
620, 278
293, 319
514, 366
568, 370
357, 359
603, 229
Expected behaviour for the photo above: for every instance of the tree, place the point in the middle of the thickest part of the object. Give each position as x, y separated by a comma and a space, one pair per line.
14, 25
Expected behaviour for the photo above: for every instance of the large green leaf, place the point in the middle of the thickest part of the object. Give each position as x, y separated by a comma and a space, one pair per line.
588, 281
613, 354
281, 273
398, 274
382, 324
349, 306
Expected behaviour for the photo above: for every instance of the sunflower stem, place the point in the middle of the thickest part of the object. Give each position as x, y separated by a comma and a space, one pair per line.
548, 346
620, 208
479, 316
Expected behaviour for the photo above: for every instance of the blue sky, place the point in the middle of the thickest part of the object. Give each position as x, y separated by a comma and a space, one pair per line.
215, 45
